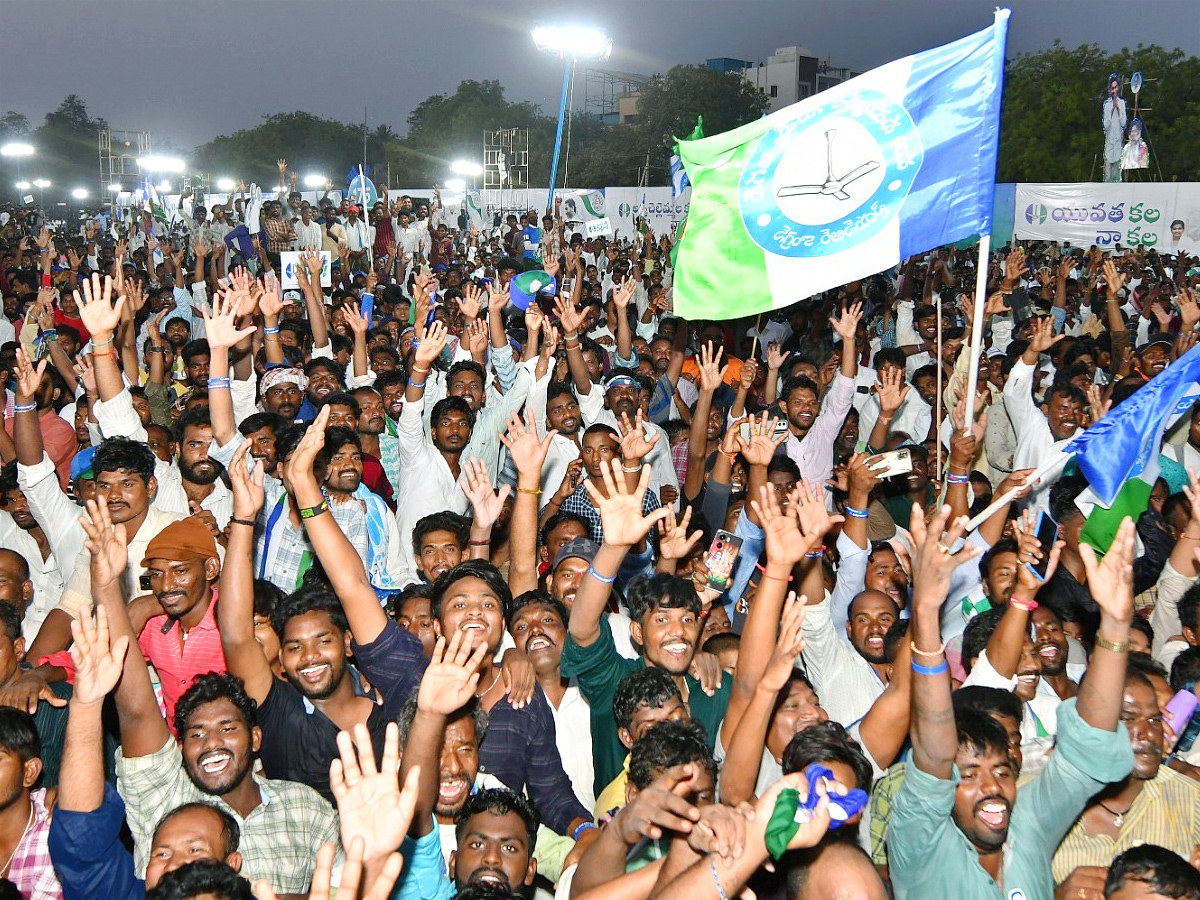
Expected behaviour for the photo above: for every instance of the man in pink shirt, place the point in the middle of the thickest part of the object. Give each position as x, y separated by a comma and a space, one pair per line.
182, 566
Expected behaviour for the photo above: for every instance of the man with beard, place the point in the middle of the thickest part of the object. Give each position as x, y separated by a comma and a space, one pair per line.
665, 613
282, 824
440, 543
957, 828
320, 693
341, 459
554, 406
346, 414
323, 376
538, 625
1153, 805
430, 469
181, 641
24, 811
282, 392
373, 431
125, 484
23, 536
1041, 431
261, 431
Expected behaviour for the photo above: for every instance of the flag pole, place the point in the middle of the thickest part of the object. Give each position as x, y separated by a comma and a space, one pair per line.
937, 400
1004, 499
754, 345
981, 276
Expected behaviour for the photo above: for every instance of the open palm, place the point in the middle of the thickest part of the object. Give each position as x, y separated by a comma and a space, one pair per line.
371, 806
621, 511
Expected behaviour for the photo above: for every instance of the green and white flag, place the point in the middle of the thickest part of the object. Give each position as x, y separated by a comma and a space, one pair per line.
845, 183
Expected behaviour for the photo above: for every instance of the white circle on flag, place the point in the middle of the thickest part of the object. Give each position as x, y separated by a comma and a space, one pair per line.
806, 161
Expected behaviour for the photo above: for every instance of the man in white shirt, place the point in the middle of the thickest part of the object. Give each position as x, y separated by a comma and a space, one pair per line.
308, 230
359, 238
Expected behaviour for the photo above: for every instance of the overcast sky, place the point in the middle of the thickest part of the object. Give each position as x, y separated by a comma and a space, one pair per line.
188, 71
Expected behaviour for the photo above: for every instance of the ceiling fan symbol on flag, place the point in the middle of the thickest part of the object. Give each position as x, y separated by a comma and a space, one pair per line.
835, 187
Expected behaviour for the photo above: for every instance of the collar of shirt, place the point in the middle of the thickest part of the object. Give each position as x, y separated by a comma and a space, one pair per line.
165, 625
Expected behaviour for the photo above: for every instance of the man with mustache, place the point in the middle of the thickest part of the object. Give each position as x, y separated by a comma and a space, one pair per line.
1154, 804
282, 823
956, 827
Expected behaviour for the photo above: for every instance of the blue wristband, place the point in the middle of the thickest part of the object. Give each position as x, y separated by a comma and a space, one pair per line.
581, 828
855, 513
957, 479
603, 579
274, 330
24, 407
930, 670
220, 382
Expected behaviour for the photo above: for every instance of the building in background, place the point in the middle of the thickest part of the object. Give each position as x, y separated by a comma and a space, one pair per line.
789, 74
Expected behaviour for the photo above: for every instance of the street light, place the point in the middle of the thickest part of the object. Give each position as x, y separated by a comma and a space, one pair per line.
154, 163
17, 150
226, 184
22, 185
571, 43
79, 193
467, 168
314, 181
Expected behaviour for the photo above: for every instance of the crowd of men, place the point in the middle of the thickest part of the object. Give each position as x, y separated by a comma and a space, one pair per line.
422, 584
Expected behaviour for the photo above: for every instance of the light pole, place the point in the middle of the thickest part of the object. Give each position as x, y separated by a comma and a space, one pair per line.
18, 152
41, 184
572, 44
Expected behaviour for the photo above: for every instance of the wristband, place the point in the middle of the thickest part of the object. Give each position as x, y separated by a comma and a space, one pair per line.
237, 521
581, 828
416, 369
957, 479
107, 343
630, 469
766, 574
930, 670
416, 384
218, 382
24, 407
46, 282
1021, 603
274, 330
534, 491
105, 353
817, 555
938, 652
603, 579
50, 334
311, 512
855, 513
162, 350
487, 543
712, 867
1112, 646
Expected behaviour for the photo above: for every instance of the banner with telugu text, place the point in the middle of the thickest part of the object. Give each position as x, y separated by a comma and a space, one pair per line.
1110, 214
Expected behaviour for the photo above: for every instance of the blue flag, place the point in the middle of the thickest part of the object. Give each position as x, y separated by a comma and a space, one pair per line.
845, 183
1122, 444
679, 179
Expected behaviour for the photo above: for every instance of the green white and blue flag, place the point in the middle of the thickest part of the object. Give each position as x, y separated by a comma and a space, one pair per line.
845, 183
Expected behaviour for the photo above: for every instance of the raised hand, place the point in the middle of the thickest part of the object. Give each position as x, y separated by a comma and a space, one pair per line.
1030, 550
1113, 279
785, 545
471, 303
808, 506
44, 239
635, 444
431, 345
712, 373
312, 264
1097, 405
358, 323
99, 314
498, 300
621, 511
661, 806
475, 332
1189, 310
1042, 336
29, 378
300, 466
372, 809
248, 493
891, 390
569, 317
624, 293
1110, 582
846, 324
527, 451
775, 357
749, 370
674, 542
932, 560
788, 645
282, 163
452, 675
760, 449
486, 503
219, 325
1014, 266
107, 543
98, 660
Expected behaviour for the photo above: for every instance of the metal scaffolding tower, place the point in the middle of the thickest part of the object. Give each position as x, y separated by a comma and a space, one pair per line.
505, 172
119, 152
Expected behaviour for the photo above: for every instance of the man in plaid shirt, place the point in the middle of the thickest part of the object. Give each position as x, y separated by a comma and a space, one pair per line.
25, 820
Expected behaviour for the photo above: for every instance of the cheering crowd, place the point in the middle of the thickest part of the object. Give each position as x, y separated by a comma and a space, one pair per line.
467, 568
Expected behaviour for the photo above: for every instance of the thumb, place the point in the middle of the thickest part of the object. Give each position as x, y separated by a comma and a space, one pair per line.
53, 699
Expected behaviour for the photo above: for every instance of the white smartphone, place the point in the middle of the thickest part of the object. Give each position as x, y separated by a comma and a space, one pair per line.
892, 463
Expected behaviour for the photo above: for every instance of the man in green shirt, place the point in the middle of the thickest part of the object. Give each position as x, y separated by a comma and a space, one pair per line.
666, 624
956, 828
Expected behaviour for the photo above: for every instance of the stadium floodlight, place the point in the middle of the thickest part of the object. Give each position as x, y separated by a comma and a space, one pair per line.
16, 149
457, 185
22, 185
315, 181
156, 163
79, 193
115, 187
467, 168
573, 40
165, 187
226, 184
41, 183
